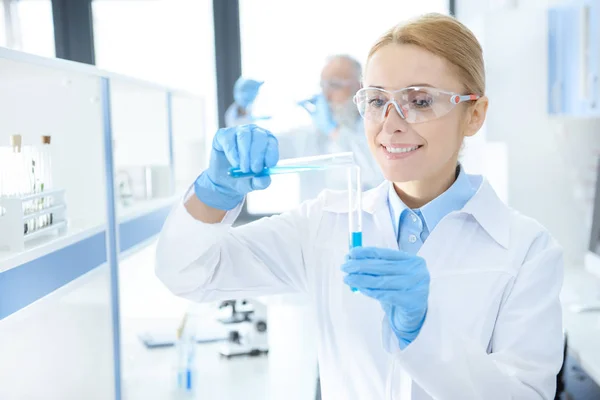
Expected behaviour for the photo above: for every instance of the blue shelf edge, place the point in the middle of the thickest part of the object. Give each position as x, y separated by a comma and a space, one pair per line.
21, 286
142, 228
29, 282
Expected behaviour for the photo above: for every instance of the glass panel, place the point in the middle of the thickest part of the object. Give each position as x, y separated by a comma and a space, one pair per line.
189, 140
60, 345
36, 27
172, 44
141, 148
27, 25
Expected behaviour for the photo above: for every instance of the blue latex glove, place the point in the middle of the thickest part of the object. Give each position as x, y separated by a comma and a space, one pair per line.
319, 110
248, 147
245, 91
398, 280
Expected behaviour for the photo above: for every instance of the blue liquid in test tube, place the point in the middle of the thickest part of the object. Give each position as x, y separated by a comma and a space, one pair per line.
354, 207
301, 164
277, 170
356, 239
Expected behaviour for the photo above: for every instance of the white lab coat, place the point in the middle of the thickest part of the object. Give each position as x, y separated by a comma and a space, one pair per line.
493, 328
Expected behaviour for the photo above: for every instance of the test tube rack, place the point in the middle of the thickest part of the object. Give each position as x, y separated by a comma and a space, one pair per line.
32, 216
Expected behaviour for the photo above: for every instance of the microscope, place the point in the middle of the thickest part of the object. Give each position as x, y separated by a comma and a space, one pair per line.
247, 323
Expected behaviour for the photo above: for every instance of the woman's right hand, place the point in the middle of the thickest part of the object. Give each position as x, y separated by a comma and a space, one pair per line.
247, 147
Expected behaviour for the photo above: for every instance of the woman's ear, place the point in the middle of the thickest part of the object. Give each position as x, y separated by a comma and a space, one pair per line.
476, 116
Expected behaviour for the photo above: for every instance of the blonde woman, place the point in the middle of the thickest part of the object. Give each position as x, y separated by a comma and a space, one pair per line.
458, 295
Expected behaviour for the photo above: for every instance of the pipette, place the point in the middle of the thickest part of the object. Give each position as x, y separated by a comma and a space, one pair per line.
300, 164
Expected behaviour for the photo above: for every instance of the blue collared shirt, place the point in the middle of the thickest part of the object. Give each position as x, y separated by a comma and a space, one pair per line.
413, 226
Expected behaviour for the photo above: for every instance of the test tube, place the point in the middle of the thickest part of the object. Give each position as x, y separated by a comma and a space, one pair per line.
300, 164
354, 207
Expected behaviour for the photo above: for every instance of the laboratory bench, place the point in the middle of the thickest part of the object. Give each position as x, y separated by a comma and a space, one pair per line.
64, 344
288, 372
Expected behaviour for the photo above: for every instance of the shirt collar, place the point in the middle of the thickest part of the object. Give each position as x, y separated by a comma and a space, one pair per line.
485, 206
453, 199
489, 211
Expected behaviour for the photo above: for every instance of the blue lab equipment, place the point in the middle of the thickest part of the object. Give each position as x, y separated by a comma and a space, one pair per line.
186, 357
300, 164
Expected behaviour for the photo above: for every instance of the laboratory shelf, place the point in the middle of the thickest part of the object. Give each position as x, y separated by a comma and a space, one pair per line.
137, 223
44, 211
51, 262
141, 208
140, 222
36, 248
45, 230
45, 193
132, 139
45, 267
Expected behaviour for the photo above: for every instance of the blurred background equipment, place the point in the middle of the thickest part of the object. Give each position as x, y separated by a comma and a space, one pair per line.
247, 326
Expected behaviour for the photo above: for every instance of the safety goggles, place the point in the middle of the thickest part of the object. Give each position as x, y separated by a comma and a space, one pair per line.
414, 104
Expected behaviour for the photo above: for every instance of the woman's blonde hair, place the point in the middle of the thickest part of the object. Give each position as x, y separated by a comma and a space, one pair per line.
445, 37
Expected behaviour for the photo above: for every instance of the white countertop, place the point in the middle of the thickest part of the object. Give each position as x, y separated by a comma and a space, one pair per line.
69, 331
289, 371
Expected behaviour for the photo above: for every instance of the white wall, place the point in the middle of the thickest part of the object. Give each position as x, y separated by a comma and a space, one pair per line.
551, 161
172, 44
139, 122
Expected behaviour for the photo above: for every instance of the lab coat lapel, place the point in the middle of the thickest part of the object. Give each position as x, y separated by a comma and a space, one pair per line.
375, 203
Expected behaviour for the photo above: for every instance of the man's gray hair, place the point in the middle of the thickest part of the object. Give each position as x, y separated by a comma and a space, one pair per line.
353, 61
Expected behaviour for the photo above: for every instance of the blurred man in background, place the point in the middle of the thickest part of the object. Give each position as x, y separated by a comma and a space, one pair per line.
336, 124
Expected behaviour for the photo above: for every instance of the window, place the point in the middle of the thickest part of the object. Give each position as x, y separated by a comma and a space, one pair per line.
27, 25
37, 27
286, 44
170, 42
3, 41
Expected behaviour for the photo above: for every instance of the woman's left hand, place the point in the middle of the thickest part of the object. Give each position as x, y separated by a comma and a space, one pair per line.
398, 280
